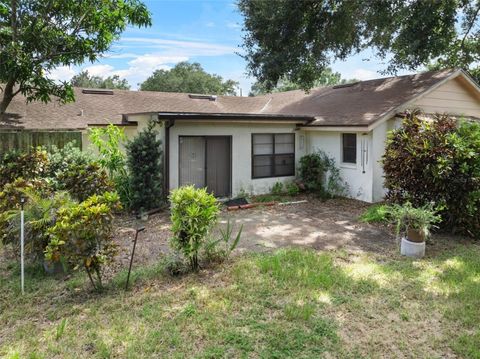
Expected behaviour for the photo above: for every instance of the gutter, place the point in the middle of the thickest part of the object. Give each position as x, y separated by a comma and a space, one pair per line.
232, 116
166, 161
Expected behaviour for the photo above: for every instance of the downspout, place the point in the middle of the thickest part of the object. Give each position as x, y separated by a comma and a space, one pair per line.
166, 169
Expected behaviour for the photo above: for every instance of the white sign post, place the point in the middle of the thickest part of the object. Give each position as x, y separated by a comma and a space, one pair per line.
22, 246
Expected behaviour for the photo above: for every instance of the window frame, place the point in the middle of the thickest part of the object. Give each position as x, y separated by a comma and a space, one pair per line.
343, 149
273, 155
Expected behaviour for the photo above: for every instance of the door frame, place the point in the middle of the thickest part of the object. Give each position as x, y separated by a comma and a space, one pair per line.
230, 138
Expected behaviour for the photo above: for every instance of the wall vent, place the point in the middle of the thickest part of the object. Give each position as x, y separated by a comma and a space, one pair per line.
97, 92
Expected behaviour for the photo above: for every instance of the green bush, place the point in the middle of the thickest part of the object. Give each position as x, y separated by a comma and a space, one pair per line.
376, 214
29, 165
108, 142
39, 215
292, 189
60, 159
144, 160
320, 175
437, 162
193, 213
83, 235
85, 180
277, 188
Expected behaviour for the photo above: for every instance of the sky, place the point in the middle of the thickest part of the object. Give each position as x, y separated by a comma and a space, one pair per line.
208, 32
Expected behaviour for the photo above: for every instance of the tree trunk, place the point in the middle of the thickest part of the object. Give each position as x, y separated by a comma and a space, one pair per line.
7, 96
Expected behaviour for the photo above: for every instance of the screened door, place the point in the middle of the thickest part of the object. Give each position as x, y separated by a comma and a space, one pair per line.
205, 161
192, 161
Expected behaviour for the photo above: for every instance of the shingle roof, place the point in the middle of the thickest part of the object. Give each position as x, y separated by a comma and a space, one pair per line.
357, 104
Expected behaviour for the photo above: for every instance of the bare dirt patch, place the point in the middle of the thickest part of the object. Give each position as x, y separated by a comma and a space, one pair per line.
322, 225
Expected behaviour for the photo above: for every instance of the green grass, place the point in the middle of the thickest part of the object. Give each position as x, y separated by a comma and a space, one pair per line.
375, 214
273, 198
290, 303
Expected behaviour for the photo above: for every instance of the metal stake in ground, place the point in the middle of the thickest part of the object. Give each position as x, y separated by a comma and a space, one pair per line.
133, 253
22, 246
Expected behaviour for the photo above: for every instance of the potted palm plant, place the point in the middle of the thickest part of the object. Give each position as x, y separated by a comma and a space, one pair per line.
413, 224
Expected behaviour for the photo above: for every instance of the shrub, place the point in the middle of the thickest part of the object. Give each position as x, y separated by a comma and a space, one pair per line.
277, 188
10, 203
108, 143
437, 161
60, 159
39, 215
320, 175
30, 165
193, 213
82, 235
85, 180
144, 159
376, 214
292, 189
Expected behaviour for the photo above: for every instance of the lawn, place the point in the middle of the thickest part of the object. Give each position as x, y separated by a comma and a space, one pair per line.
288, 303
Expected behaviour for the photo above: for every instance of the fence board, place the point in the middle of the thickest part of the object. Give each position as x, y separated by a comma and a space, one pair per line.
25, 140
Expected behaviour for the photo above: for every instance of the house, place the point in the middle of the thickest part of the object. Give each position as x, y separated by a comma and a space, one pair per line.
233, 144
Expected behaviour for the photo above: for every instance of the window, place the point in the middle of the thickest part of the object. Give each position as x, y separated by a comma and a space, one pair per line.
273, 155
349, 148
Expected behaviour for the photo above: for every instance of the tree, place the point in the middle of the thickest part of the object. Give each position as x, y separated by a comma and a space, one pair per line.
299, 39
83, 79
327, 78
37, 36
144, 161
190, 78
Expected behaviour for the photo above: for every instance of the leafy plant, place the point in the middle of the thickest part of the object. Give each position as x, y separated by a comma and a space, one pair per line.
60, 159
144, 160
85, 180
292, 189
10, 196
193, 213
320, 175
376, 214
39, 215
108, 142
221, 248
28, 165
277, 188
407, 217
83, 235
437, 161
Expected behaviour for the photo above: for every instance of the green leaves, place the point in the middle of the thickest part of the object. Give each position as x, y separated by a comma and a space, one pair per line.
83, 79
437, 162
37, 36
144, 161
299, 40
193, 213
82, 233
189, 78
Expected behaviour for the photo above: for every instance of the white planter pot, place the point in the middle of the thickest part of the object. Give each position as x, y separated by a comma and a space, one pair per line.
412, 249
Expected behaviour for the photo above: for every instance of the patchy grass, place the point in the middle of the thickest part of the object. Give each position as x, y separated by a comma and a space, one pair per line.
290, 303
378, 213
273, 198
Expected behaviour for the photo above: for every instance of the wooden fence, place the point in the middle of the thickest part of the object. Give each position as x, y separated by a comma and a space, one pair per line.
25, 140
